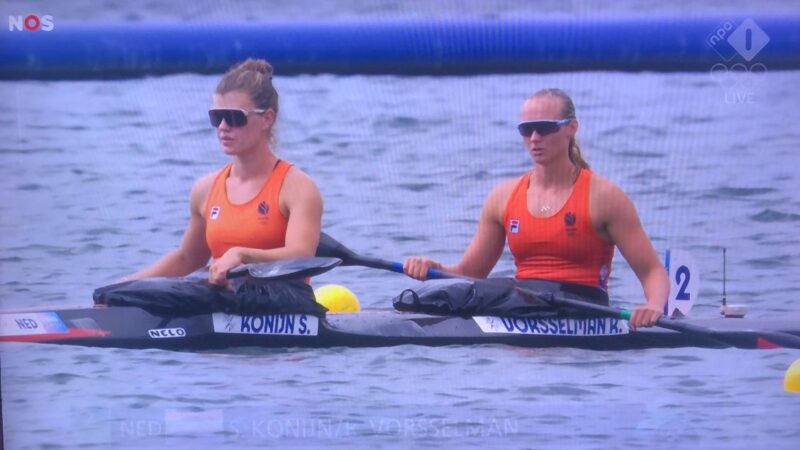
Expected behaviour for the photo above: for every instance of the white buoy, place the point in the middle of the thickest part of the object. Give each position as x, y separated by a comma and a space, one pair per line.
729, 311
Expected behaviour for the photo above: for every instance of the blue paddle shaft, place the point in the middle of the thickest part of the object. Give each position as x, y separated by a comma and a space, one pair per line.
397, 266
434, 273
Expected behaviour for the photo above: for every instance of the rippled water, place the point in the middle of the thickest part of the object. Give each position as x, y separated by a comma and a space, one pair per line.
96, 177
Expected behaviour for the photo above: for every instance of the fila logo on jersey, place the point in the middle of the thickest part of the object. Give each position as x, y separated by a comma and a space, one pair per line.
215, 212
513, 226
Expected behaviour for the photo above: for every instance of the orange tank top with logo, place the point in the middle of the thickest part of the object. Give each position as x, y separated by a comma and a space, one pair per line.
564, 247
257, 223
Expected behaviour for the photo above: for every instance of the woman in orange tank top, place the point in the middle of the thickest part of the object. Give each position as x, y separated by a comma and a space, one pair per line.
257, 208
562, 221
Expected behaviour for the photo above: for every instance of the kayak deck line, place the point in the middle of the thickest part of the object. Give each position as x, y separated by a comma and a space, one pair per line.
131, 327
72, 333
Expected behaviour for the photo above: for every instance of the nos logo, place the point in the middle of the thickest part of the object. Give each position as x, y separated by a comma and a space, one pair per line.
31, 22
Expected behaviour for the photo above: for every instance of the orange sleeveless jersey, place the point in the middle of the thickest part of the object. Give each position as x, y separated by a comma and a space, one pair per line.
564, 247
257, 223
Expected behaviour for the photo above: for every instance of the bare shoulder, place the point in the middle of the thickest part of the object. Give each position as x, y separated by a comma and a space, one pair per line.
297, 180
203, 185
200, 191
605, 190
608, 202
299, 189
205, 182
502, 191
497, 199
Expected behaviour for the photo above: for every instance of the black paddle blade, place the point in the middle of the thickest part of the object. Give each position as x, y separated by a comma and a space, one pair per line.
329, 247
286, 268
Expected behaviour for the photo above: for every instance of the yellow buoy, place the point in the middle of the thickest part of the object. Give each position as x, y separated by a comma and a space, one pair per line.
338, 299
792, 381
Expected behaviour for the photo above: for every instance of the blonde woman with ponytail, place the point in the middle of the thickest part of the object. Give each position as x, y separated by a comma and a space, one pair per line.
256, 208
562, 221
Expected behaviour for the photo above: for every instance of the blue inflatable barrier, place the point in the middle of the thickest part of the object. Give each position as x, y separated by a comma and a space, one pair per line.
433, 47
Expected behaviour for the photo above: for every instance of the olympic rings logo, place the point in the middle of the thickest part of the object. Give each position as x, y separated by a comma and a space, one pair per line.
738, 75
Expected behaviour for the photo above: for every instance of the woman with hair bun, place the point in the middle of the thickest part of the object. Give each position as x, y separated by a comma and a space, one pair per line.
258, 207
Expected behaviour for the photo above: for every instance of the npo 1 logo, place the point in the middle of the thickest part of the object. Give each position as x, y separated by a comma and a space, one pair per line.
31, 22
748, 39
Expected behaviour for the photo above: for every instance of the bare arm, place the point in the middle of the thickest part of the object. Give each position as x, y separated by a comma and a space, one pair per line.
304, 204
193, 252
624, 228
486, 247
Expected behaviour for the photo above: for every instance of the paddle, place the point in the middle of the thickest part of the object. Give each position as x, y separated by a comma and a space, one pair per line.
286, 268
330, 247
747, 339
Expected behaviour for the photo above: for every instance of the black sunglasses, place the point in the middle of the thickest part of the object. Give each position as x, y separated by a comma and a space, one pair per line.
233, 117
543, 127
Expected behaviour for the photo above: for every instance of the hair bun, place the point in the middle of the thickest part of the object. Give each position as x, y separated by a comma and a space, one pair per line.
257, 65
254, 77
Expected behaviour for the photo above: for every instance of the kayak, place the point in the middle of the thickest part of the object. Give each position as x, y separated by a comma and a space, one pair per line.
136, 328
